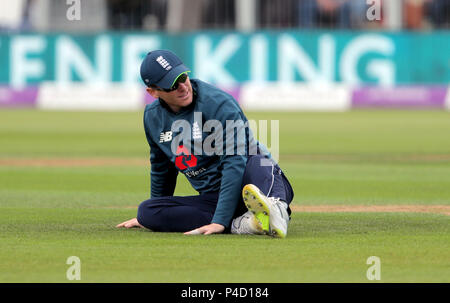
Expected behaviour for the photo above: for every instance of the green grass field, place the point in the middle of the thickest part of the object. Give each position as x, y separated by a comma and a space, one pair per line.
67, 178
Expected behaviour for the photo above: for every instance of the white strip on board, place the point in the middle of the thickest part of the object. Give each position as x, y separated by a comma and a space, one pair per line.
447, 99
105, 97
284, 97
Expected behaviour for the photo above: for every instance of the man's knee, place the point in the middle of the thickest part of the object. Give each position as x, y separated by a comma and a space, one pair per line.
149, 216
267, 175
258, 161
258, 173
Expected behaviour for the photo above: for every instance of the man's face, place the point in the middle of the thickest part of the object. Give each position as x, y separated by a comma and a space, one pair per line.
176, 99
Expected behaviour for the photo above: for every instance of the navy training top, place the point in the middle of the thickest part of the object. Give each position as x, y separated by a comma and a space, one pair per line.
186, 142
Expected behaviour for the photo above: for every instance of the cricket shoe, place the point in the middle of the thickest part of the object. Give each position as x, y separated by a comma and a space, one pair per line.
269, 211
247, 224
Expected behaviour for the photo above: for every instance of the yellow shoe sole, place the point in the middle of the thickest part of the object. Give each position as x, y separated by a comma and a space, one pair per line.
255, 202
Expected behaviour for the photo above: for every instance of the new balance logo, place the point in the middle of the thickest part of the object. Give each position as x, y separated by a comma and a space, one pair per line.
165, 137
163, 62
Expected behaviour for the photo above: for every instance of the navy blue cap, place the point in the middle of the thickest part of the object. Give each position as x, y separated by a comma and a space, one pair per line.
161, 68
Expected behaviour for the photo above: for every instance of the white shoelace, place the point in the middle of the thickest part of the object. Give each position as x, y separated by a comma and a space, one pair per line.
273, 199
281, 204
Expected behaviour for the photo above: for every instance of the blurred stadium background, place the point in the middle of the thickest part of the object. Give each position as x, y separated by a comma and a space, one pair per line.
271, 55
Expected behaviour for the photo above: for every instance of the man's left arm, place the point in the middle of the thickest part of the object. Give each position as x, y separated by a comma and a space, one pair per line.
233, 163
229, 195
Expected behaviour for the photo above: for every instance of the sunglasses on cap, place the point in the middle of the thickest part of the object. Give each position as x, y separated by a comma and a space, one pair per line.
181, 79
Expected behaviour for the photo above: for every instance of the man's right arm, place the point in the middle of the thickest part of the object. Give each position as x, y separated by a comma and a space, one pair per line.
163, 173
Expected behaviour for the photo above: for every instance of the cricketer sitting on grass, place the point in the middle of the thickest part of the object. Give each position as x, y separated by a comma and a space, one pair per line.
241, 192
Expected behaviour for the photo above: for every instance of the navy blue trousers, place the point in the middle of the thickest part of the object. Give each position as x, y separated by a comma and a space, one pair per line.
181, 214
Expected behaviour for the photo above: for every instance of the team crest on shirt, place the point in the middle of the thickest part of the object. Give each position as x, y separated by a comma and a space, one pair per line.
196, 132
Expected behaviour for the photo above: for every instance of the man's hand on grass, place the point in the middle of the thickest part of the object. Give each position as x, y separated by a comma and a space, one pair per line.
130, 223
212, 228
